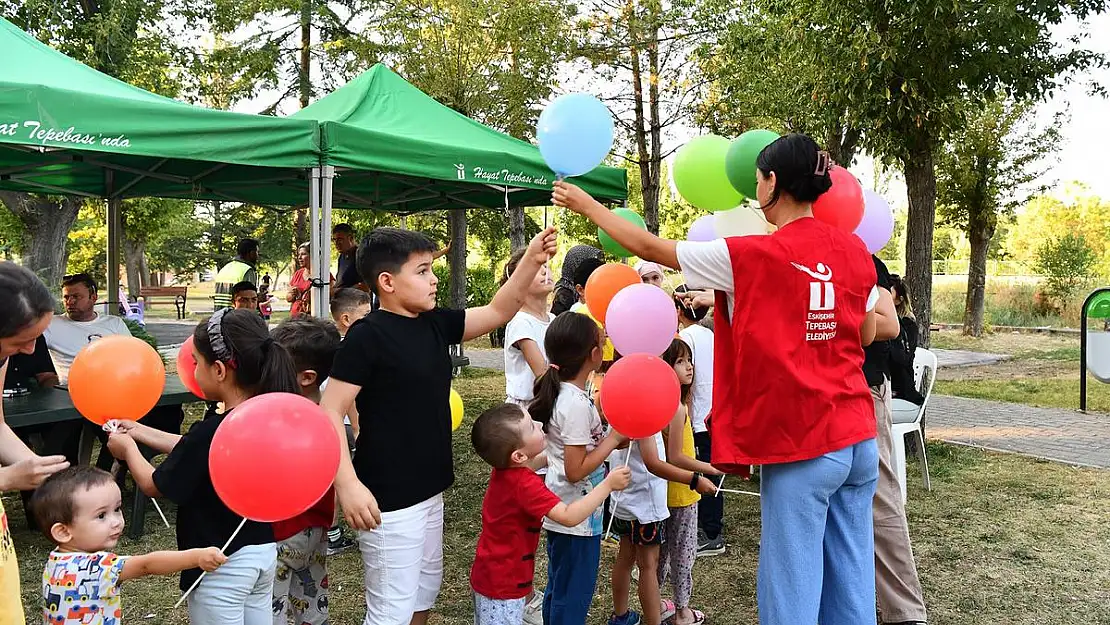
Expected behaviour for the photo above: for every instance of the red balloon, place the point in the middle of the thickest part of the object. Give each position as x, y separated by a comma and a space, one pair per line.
187, 368
297, 464
640, 395
842, 205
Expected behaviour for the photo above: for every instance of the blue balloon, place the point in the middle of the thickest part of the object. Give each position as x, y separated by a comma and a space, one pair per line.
575, 133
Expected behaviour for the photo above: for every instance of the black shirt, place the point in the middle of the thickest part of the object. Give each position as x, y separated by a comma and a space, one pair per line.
24, 368
202, 519
876, 363
402, 364
347, 276
902, 352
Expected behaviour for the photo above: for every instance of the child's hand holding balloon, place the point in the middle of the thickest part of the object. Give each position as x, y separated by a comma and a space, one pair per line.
210, 558
121, 444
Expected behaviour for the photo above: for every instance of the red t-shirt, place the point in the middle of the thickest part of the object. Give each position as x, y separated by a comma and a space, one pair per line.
321, 514
515, 503
788, 382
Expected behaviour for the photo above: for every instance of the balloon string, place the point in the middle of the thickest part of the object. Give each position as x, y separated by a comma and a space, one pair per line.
222, 549
616, 495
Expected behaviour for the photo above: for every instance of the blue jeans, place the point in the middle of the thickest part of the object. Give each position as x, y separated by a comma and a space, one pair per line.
241, 592
817, 557
572, 563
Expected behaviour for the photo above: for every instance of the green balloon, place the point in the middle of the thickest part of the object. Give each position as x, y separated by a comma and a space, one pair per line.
741, 157
699, 174
607, 242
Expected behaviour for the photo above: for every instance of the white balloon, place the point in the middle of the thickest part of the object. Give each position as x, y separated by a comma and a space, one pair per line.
741, 221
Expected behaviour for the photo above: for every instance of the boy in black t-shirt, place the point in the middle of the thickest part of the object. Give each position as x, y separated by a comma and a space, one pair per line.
395, 366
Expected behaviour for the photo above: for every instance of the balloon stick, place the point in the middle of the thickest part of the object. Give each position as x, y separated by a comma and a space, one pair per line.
627, 455
222, 549
112, 427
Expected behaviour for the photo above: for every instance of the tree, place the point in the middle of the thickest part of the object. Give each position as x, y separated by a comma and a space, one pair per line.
644, 49
1047, 218
129, 39
1067, 264
987, 169
142, 219
904, 72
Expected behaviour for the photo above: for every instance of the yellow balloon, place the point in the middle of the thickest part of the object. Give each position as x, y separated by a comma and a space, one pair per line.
456, 410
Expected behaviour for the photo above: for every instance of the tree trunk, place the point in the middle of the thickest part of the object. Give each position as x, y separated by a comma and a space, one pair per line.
300, 227
641, 130
456, 220
980, 240
133, 252
515, 216
921, 189
144, 268
46, 226
842, 145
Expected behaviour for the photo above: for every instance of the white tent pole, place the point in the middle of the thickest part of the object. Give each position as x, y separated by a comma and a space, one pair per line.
115, 231
323, 310
314, 240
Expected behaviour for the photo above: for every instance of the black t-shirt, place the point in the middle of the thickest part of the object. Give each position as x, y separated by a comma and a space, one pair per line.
404, 369
876, 364
347, 276
202, 519
24, 367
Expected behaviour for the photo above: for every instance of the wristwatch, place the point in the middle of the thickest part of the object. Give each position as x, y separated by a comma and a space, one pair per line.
694, 481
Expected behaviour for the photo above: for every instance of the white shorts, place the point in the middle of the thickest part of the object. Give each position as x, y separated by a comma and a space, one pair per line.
403, 563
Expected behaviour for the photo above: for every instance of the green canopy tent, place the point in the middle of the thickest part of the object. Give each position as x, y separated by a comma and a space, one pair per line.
389, 146
68, 129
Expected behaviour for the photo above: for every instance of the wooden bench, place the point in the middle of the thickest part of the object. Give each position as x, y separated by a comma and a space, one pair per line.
178, 293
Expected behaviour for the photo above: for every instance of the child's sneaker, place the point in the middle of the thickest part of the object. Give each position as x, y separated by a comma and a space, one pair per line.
336, 547
533, 610
630, 617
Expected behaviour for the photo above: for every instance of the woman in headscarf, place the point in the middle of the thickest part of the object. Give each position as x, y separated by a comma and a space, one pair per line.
565, 293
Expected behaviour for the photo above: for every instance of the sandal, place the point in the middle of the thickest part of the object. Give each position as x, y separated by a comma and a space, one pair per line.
699, 618
666, 610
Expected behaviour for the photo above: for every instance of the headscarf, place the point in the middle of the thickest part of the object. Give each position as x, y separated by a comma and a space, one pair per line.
645, 267
565, 294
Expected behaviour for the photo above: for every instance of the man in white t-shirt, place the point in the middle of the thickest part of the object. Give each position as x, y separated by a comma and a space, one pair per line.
68, 333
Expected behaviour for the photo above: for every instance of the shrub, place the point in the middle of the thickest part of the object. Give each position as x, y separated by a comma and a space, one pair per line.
481, 284
1067, 263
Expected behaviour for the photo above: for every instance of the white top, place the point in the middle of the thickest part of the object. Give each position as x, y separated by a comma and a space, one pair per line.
65, 338
574, 421
645, 499
707, 265
700, 340
519, 378
324, 385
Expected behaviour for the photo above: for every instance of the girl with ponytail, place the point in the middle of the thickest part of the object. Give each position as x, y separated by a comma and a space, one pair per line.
576, 448
235, 360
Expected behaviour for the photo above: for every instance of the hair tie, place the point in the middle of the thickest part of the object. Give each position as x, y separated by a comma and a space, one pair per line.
822, 164
216, 337
554, 366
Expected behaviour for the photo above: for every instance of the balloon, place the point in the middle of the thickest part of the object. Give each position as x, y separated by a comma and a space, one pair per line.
297, 467
703, 229
575, 133
116, 377
603, 285
877, 225
740, 222
699, 174
640, 395
456, 410
607, 242
642, 319
842, 205
741, 157
187, 368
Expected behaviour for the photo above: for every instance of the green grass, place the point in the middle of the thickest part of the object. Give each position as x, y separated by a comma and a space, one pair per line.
1000, 539
1041, 392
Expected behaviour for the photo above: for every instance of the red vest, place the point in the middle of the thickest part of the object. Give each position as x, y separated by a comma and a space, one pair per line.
788, 382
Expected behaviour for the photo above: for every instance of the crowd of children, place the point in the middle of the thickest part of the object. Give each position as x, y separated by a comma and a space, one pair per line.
554, 460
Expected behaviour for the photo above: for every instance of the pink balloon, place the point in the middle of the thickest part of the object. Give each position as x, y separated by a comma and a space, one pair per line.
703, 229
641, 320
878, 222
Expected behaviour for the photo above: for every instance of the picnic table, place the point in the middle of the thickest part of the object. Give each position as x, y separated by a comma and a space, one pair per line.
53, 405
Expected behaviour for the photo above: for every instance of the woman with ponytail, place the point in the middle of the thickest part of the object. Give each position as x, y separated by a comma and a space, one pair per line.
576, 448
793, 312
235, 360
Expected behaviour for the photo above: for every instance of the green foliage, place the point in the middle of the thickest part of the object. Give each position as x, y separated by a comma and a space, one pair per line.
140, 332
87, 247
1067, 264
481, 284
943, 246
1047, 218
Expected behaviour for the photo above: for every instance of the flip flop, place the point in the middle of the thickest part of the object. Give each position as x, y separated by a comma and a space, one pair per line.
667, 610
699, 618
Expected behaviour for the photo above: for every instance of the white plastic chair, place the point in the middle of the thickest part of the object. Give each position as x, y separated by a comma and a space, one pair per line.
909, 417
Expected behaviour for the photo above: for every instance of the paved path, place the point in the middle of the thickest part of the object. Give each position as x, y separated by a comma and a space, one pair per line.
1066, 436
961, 358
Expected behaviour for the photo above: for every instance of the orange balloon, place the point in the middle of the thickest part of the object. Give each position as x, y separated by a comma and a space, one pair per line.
604, 283
116, 377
